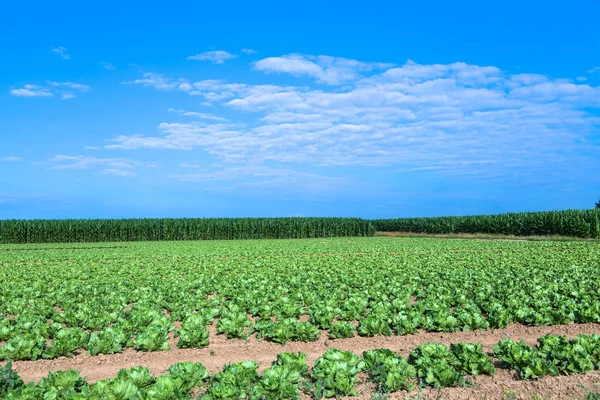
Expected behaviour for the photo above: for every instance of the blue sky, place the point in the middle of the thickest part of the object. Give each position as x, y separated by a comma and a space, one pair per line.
370, 109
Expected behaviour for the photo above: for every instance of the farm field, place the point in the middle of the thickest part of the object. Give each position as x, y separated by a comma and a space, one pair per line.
103, 308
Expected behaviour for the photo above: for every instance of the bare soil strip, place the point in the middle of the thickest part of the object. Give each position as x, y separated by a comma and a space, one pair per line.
222, 351
501, 386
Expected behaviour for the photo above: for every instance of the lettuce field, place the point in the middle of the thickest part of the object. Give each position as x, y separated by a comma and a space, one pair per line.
371, 317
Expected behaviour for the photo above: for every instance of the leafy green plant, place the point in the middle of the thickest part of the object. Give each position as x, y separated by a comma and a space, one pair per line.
471, 359
435, 366
305, 332
61, 384
390, 372
152, 339
111, 389
341, 330
6, 329
23, 347
375, 324
9, 379
591, 345
407, 323
288, 329
167, 387
569, 357
107, 341
441, 320
277, 383
322, 317
139, 376
499, 316
65, 342
234, 382
335, 373
292, 361
193, 333
526, 360
191, 374
234, 325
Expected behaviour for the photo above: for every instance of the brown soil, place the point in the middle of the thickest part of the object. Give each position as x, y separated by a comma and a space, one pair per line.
501, 386
222, 351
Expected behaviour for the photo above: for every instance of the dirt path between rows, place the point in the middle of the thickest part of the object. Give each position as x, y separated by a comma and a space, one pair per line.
501, 386
222, 351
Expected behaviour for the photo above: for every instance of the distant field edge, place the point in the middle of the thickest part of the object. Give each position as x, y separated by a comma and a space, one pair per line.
544, 225
170, 229
584, 224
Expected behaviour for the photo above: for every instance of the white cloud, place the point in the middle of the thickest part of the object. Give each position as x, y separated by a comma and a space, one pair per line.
31, 91
581, 79
159, 81
249, 51
91, 148
458, 120
61, 51
10, 159
50, 89
216, 57
118, 172
325, 69
123, 167
108, 66
198, 115
595, 69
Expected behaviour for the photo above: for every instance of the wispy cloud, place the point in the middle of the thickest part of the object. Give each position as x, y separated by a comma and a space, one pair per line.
595, 69
216, 57
159, 81
31, 91
581, 79
460, 120
199, 115
61, 51
325, 69
50, 89
249, 51
108, 66
123, 167
10, 159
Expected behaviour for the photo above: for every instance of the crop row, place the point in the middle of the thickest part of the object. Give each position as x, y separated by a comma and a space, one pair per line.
104, 300
32, 338
124, 230
334, 374
576, 223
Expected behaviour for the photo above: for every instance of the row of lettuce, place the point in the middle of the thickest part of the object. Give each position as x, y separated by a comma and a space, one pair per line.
334, 374
574, 223
32, 337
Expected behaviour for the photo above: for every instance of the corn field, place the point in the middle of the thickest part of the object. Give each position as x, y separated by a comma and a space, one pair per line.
575, 223
122, 230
